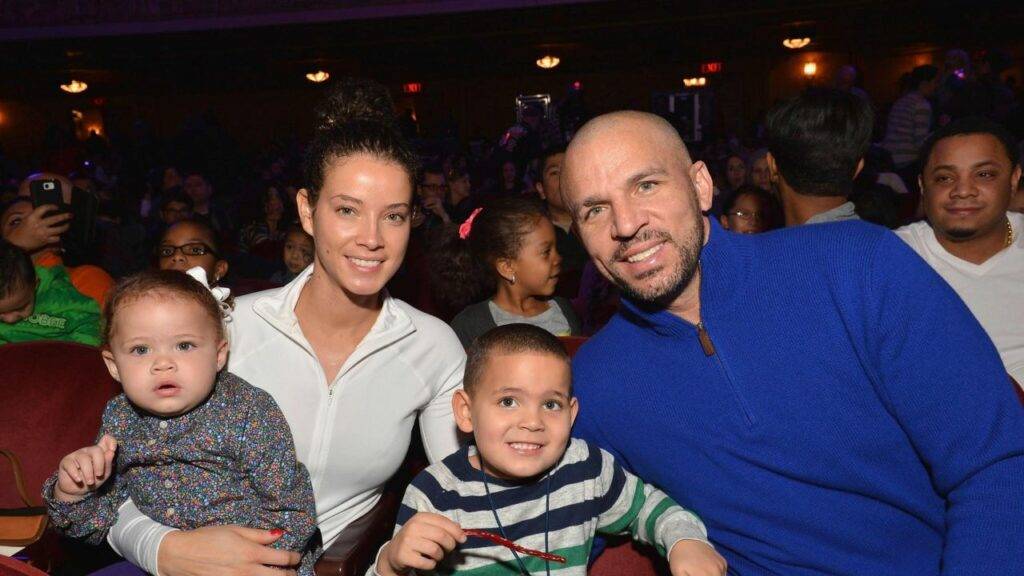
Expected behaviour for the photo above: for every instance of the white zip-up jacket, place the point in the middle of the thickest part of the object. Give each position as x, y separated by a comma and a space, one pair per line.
352, 433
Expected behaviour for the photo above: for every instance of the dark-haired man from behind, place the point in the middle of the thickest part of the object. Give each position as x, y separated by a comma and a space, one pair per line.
816, 147
970, 172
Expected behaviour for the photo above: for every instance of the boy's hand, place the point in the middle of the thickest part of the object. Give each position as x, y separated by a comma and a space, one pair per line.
85, 470
421, 543
435, 205
695, 558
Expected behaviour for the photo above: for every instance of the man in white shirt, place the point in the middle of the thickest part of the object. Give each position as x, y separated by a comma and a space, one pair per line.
969, 175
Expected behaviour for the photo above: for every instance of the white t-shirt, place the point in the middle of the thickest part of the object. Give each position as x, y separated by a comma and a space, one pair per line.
993, 290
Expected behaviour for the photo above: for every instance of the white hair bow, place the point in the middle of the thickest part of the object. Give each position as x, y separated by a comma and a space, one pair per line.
220, 293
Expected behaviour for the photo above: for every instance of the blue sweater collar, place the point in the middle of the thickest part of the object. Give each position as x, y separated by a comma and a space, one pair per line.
724, 264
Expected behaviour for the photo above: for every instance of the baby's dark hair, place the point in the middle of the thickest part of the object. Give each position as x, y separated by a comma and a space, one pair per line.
16, 270
509, 339
358, 116
463, 271
160, 284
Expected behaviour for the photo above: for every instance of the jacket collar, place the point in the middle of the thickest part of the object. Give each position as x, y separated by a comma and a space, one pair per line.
724, 267
277, 308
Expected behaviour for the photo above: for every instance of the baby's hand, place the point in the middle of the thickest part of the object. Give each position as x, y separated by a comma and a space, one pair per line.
85, 470
695, 558
421, 543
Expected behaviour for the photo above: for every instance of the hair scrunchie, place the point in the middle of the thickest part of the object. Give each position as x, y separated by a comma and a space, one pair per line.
467, 226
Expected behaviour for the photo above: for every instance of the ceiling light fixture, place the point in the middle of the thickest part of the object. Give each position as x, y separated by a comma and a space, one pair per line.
796, 43
548, 62
74, 87
318, 76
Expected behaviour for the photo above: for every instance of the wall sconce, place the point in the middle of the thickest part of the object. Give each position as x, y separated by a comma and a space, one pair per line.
548, 62
796, 43
318, 76
74, 87
810, 69
695, 82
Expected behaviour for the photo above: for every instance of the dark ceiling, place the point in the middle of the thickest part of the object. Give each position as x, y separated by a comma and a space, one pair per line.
588, 36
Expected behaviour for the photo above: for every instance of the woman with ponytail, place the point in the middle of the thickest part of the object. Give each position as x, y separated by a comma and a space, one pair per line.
501, 267
352, 368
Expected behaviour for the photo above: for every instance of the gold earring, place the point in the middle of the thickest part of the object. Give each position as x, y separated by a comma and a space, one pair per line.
513, 280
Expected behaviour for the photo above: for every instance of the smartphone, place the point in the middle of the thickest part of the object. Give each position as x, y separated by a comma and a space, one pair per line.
45, 192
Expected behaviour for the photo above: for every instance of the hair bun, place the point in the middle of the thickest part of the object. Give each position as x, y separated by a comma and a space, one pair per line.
356, 100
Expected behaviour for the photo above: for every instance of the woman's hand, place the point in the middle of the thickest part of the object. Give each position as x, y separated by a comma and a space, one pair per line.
421, 543
40, 227
225, 550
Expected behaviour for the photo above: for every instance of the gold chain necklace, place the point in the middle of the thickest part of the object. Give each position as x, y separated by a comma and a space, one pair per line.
1009, 233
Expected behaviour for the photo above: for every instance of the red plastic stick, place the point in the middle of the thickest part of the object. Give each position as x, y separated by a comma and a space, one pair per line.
512, 545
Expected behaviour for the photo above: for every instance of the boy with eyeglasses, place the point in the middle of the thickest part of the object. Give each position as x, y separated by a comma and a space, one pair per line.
188, 244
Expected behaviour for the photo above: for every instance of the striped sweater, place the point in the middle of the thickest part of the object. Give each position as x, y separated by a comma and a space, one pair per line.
590, 493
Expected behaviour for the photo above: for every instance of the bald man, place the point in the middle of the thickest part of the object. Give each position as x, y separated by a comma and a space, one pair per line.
818, 395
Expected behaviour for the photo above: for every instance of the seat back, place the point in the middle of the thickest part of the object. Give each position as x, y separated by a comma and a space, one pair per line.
12, 567
572, 343
52, 396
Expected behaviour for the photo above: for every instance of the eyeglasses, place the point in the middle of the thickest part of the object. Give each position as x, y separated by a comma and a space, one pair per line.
747, 215
190, 249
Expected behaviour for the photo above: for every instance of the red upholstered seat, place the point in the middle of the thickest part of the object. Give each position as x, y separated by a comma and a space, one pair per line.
12, 567
52, 396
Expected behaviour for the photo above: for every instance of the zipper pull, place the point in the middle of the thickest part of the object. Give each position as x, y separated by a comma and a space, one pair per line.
705, 340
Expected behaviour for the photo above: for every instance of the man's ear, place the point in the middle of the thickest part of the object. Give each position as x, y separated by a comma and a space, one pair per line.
108, 359
305, 210
704, 187
773, 167
463, 415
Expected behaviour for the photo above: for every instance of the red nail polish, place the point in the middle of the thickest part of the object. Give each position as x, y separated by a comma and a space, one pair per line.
276, 532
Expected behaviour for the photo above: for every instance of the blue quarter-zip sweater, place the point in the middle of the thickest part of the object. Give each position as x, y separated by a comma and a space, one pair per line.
842, 414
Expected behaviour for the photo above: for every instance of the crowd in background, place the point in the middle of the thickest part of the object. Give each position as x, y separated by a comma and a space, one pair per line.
158, 199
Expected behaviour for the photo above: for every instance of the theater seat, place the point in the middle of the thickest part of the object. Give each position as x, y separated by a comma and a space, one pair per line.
12, 567
572, 343
52, 396
625, 557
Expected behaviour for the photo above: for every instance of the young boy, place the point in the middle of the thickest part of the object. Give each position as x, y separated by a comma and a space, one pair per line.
527, 481
41, 303
296, 255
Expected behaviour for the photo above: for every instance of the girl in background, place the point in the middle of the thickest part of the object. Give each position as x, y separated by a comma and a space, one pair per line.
504, 255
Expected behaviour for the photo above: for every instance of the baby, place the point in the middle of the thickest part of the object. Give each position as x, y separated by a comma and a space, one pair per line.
526, 481
190, 443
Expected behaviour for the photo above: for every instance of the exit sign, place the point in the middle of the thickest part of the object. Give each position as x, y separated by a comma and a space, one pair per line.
711, 68
412, 88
